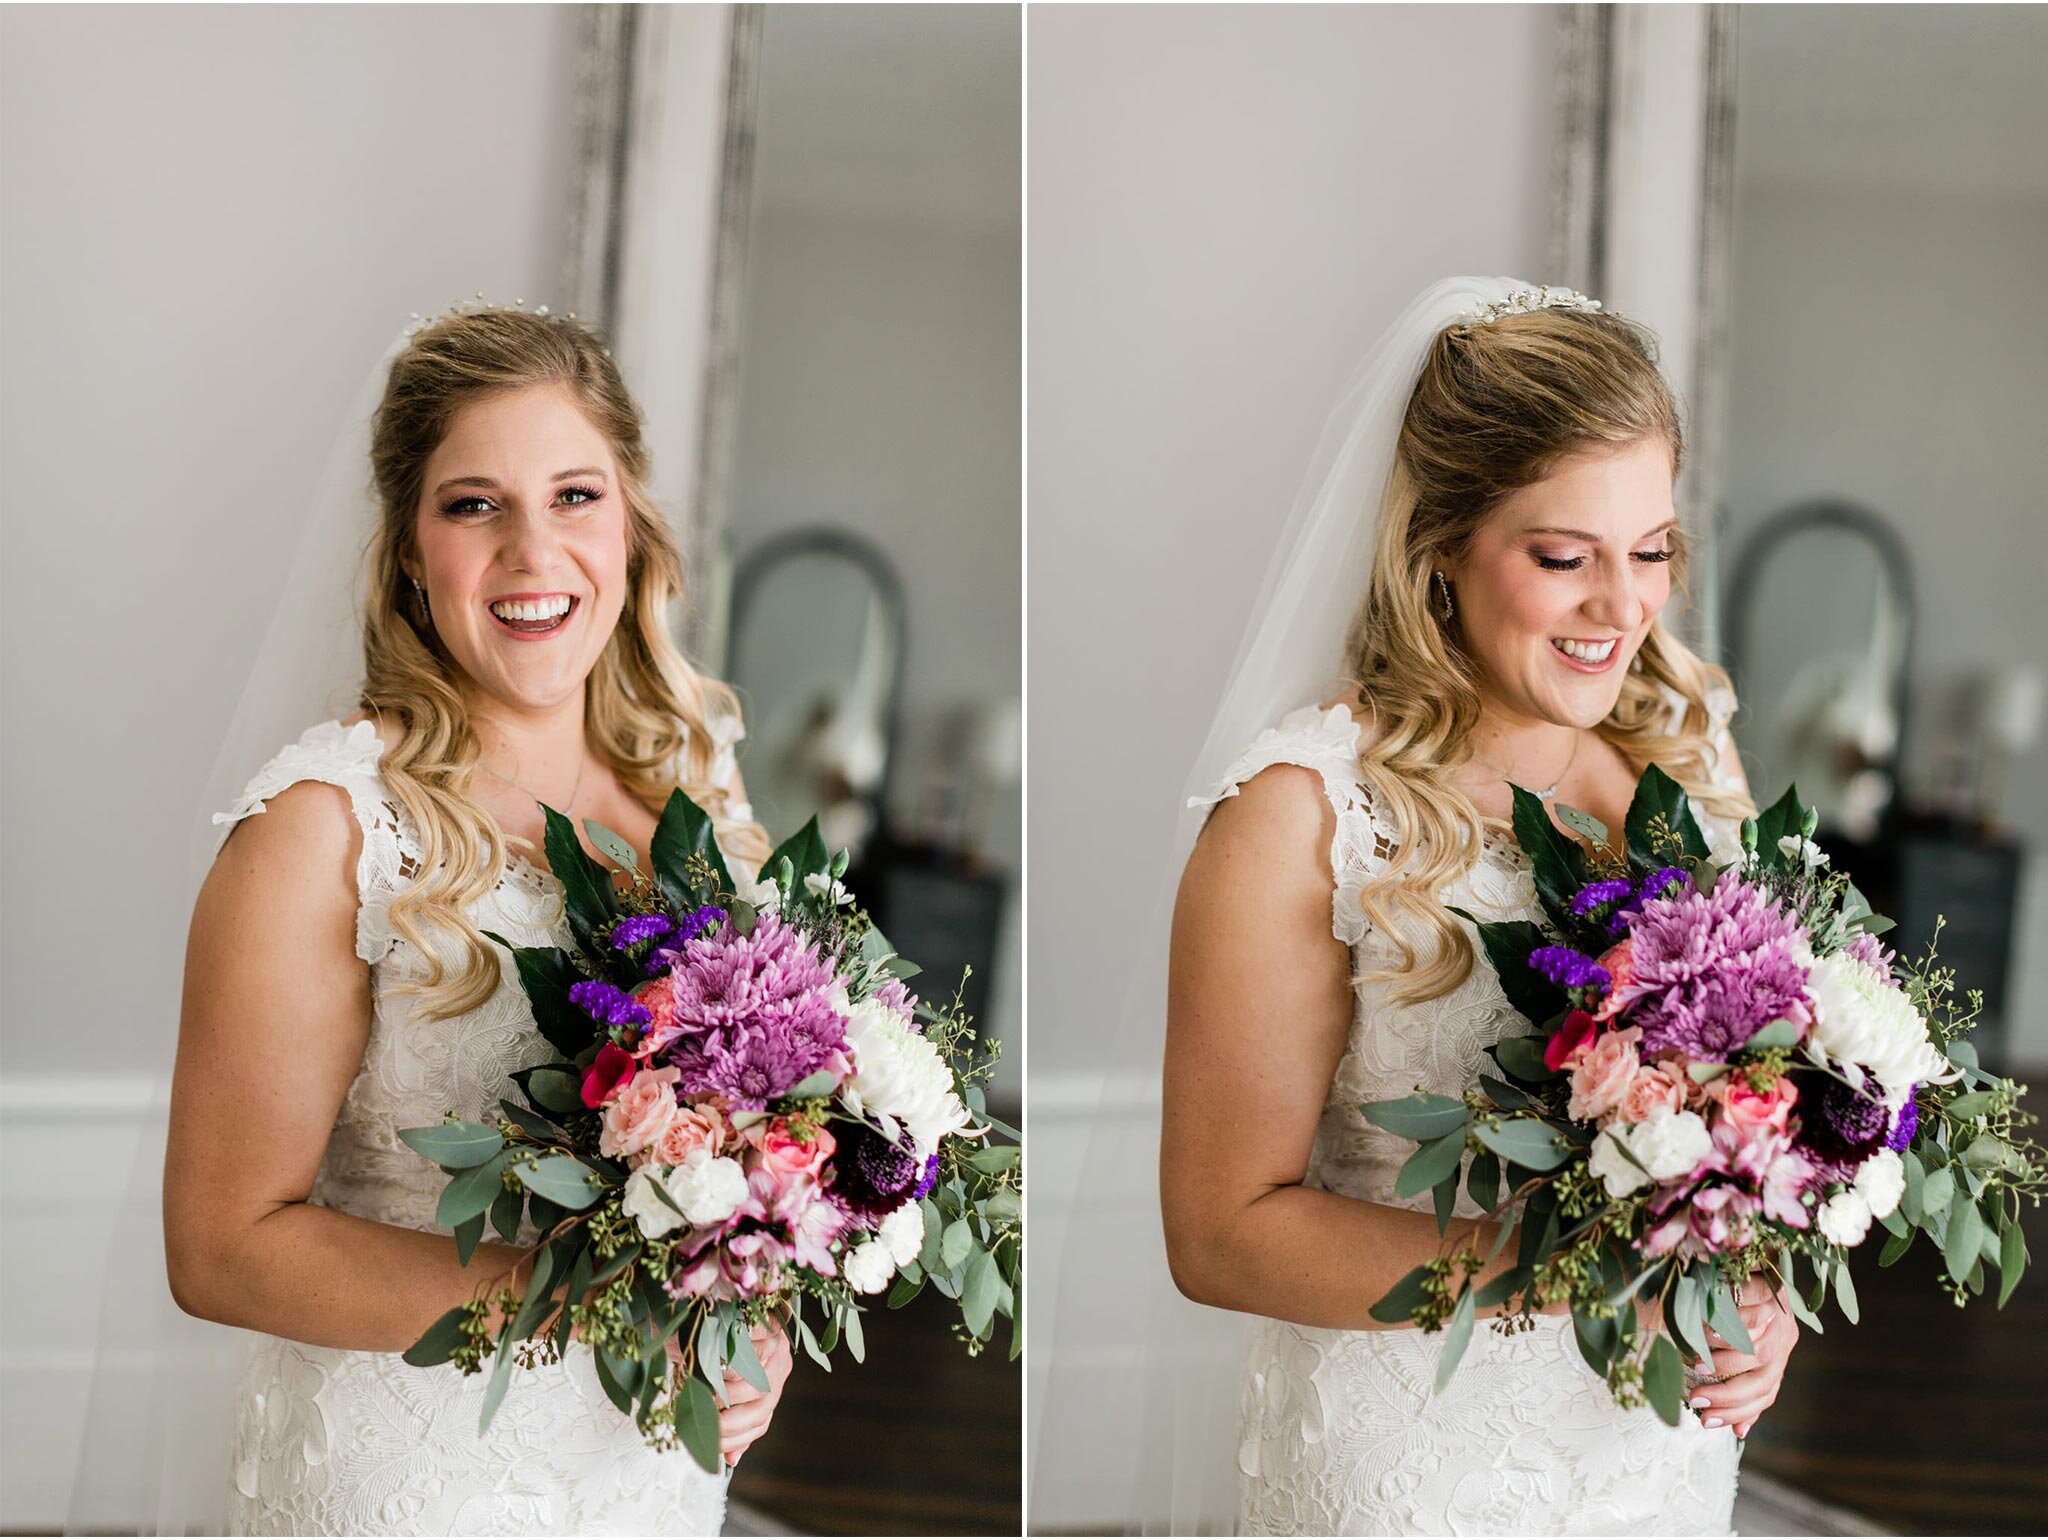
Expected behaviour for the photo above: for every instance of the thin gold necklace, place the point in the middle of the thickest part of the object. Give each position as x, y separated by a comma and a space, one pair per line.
1577, 738
583, 765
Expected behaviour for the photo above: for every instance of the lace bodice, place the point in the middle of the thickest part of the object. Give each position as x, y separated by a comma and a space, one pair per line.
336, 1442
1340, 1431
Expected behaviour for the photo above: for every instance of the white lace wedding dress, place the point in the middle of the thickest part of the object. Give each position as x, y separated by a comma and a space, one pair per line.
336, 1442
1340, 1432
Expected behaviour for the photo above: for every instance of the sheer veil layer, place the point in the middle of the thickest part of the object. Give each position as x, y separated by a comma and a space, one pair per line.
1133, 1416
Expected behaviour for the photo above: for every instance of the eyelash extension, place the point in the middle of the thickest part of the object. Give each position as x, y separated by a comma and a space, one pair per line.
456, 510
1572, 564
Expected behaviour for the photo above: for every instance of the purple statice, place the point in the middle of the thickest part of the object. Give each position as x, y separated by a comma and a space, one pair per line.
873, 1175
753, 1014
692, 925
1907, 1125
1653, 886
1873, 954
1597, 895
1568, 969
1709, 971
634, 929
930, 1179
609, 1004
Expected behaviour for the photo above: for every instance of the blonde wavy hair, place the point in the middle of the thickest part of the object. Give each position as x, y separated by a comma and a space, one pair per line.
644, 703
1498, 406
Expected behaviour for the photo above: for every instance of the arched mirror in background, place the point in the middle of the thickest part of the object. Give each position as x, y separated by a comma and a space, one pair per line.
1820, 641
817, 654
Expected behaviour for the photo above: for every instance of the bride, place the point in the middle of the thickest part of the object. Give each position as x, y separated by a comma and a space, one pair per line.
1517, 449
514, 651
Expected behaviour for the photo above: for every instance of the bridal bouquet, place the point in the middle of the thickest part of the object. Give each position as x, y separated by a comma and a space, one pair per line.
1731, 1075
749, 1113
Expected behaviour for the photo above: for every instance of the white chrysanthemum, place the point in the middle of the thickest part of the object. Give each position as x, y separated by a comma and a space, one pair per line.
1881, 1180
1844, 1218
762, 894
818, 885
642, 1204
867, 1267
903, 1233
1666, 1144
899, 1079
1868, 1026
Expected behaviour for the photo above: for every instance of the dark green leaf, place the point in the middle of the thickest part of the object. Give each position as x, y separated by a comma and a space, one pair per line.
1598, 1341
1430, 1165
1786, 816
1512, 1098
1507, 945
505, 1210
556, 1089
1558, 863
586, 887
1446, 1202
1398, 1303
438, 1342
467, 1235
1503, 1288
546, 974
907, 1288
1525, 1141
1482, 1180
1895, 1246
805, 851
1657, 793
1664, 1379
1456, 1335
532, 1122
460, 1145
620, 1260
685, 830
1538, 1229
1419, 1117
562, 1179
1522, 1057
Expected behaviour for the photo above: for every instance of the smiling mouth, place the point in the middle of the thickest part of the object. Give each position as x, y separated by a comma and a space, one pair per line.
534, 617
1586, 654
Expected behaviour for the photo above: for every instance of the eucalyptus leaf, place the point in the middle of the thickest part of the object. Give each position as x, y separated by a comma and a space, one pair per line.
1446, 1202
1522, 1057
978, 1293
1664, 1379
1420, 1117
1777, 1034
613, 845
2012, 1260
501, 1375
461, 1145
856, 1343
1688, 1317
562, 1179
1965, 1234
1912, 1199
505, 1211
697, 1425
1895, 1246
955, 1243
470, 1193
812, 1086
1726, 1319
1398, 1303
438, 1342
1845, 1290
467, 1236
1525, 1141
1430, 1165
1582, 822
1482, 1180
1937, 1191
1971, 1105
1456, 1335
555, 1089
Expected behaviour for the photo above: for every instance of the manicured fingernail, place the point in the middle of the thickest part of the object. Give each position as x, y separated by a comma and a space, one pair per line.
1698, 1401
1713, 1422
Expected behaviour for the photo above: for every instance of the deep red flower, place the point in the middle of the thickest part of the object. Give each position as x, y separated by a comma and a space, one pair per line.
612, 1069
1578, 1030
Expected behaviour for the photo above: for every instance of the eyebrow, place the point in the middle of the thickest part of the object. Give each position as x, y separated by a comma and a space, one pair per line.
1587, 534
486, 481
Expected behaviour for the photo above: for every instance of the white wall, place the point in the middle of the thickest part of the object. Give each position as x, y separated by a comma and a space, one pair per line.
212, 220
1226, 206
1876, 360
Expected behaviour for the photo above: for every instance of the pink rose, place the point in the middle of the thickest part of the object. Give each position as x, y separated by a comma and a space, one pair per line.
1620, 963
641, 1112
1652, 1087
1603, 1072
612, 1068
786, 1155
694, 1128
1576, 1033
1752, 1111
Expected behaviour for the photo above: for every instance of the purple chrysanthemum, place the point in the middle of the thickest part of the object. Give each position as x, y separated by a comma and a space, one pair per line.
873, 1176
609, 1004
754, 1014
1709, 971
1597, 895
634, 929
1568, 969
898, 998
1872, 953
1907, 1125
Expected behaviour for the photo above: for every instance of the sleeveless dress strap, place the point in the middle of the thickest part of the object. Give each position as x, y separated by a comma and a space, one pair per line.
346, 757
1325, 740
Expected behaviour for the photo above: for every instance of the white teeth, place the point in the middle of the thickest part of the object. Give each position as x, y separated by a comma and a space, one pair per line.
1586, 652
532, 609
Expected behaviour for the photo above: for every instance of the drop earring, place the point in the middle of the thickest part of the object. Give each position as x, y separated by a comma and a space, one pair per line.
1443, 588
422, 610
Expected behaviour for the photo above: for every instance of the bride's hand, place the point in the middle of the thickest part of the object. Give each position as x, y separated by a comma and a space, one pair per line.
1750, 1382
748, 1411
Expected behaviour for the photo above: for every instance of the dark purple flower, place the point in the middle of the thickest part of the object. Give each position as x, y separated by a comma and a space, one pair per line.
1654, 885
1709, 971
1568, 969
1597, 895
1907, 1125
609, 1004
930, 1179
871, 1176
1843, 1123
634, 929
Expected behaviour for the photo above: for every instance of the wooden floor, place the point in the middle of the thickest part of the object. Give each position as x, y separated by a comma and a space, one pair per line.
1928, 1419
921, 1440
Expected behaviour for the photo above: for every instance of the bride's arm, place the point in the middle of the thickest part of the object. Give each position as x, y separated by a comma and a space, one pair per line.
1258, 1012
275, 1019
